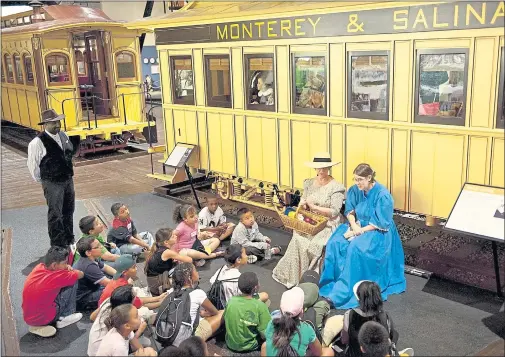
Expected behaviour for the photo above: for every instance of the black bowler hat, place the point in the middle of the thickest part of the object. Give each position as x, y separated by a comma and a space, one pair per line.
50, 115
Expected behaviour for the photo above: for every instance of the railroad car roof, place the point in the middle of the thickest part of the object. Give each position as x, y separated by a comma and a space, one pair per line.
202, 11
64, 16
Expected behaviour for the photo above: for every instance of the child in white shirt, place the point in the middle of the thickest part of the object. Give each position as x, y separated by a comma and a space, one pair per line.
212, 219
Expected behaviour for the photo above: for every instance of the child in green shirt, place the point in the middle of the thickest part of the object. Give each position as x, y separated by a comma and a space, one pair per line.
92, 226
245, 316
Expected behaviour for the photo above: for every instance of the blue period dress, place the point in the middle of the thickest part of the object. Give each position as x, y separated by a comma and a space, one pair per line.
375, 255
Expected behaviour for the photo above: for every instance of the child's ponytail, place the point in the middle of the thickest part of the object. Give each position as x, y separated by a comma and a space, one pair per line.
161, 236
284, 328
181, 211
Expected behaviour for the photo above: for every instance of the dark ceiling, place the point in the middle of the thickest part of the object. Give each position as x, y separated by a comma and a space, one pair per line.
17, 3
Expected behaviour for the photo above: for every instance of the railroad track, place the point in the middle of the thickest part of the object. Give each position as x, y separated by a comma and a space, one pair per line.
17, 138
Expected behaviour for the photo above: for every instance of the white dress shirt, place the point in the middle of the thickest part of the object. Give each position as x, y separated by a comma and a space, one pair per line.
37, 151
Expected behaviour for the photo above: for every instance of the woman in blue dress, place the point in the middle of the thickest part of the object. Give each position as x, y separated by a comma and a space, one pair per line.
366, 248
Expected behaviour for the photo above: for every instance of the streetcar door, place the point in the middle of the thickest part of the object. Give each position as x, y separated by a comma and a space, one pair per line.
97, 72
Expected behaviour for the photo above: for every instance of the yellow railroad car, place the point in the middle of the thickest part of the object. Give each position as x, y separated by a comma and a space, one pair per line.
415, 89
78, 62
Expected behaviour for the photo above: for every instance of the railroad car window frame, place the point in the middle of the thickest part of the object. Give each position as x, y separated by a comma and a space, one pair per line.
3, 71
18, 69
251, 83
500, 108
375, 115
69, 71
208, 83
438, 119
9, 76
133, 62
188, 99
25, 67
311, 111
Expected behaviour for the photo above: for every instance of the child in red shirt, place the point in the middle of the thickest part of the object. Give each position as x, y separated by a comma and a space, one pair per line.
127, 269
49, 294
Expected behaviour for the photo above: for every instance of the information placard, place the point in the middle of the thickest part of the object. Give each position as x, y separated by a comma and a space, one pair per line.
179, 155
479, 211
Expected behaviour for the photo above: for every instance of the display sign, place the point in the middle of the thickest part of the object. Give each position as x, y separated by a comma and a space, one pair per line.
479, 211
179, 155
421, 18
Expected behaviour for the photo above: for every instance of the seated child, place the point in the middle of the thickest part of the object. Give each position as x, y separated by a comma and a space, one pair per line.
49, 294
373, 339
235, 257
92, 226
161, 260
186, 276
212, 219
370, 308
199, 246
124, 233
120, 296
127, 269
245, 316
247, 234
90, 287
122, 321
191, 347
287, 334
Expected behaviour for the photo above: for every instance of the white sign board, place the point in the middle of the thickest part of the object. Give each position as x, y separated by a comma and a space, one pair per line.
479, 211
179, 156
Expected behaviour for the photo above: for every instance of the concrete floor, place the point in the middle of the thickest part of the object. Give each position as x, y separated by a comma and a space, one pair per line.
435, 317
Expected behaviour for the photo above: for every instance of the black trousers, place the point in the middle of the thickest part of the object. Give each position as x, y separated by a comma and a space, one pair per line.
260, 253
60, 198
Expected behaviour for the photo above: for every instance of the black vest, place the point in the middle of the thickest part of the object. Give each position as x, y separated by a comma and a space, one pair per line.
56, 165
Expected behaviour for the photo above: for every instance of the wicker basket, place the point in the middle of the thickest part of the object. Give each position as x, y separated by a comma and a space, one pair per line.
300, 226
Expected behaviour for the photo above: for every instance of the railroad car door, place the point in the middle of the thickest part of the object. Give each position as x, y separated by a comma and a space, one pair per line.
97, 72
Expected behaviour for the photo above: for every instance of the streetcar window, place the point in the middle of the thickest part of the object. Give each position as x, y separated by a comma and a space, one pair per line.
260, 85
81, 63
20, 20
441, 86
125, 65
27, 60
182, 80
218, 83
9, 68
309, 78
3, 73
26, 19
500, 117
368, 88
58, 72
18, 69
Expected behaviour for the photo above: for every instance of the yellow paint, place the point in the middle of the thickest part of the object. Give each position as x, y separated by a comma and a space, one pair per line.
298, 27
283, 77
227, 144
478, 169
401, 19
420, 18
202, 140
402, 89
270, 29
284, 153
169, 129
483, 83
500, 12
479, 17
6, 104
180, 126
286, 27
399, 174
238, 70
13, 98
422, 172
199, 77
337, 76
262, 148
165, 77
33, 108
497, 164
132, 102
337, 151
241, 142
300, 142
435, 17
24, 116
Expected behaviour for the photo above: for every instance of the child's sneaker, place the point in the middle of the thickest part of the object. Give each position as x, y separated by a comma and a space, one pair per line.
251, 259
42, 331
276, 250
68, 320
200, 263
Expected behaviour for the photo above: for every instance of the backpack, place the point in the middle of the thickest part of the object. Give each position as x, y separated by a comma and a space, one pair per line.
174, 313
216, 293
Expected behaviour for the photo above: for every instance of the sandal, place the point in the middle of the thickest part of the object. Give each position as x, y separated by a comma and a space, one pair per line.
276, 247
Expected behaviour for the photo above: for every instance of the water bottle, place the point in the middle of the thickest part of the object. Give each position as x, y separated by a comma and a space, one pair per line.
268, 253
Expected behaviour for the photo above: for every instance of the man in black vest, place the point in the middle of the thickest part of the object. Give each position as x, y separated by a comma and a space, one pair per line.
50, 163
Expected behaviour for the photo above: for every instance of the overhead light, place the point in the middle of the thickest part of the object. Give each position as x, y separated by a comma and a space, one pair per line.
146, 60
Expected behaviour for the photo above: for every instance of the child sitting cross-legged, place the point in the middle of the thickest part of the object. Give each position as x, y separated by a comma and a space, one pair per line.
199, 246
248, 235
235, 256
245, 316
122, 321
49, 294
126, 269
212, 219
161, 260
124, 233
92, 226
120, 296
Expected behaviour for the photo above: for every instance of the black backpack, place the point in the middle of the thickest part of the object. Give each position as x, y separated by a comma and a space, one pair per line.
216, 293
173, 312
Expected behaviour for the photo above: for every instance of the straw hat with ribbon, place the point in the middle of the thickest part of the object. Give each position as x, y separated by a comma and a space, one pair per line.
321, 160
